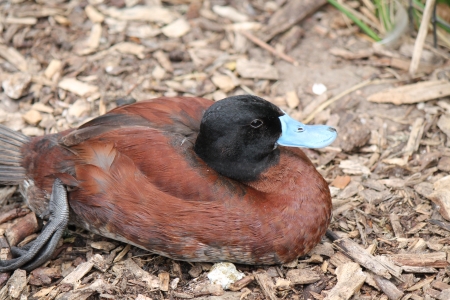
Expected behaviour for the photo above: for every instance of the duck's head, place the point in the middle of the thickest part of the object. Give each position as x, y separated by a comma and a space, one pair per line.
239, 136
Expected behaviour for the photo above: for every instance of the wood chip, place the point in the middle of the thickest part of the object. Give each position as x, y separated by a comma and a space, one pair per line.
434, 260
230, 13
93, 14
32, 117
241, 283
292, 99
266, 284
419, 270
302, 276
21, 21
15, 284
44, 276
254, 69
223, 82
420, 284
80, 271
151, 281
350, 279
441, 196
388, 288
130, 48
290, 14
103, 245
444, 124
24, 227
164, 278
413, 93
77, 87
53, 68
176, 29
14, 57
16, 85
341, 181
141, 13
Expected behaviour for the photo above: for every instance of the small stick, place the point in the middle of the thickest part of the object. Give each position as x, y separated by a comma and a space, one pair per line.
269, 48
420, 40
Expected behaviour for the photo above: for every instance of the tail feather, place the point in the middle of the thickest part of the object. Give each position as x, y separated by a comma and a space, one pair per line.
11, 143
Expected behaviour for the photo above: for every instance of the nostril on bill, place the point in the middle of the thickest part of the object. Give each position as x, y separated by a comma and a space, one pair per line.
331, 129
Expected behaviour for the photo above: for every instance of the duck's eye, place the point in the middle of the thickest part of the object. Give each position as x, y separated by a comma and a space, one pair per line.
256, 123
300, 129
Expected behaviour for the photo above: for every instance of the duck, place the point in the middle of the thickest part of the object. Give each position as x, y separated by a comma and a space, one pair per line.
183, 177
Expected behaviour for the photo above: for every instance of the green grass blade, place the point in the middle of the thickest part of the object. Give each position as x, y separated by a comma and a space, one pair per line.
357, 21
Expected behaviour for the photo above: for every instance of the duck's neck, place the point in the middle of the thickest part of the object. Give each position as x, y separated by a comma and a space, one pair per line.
245, 163
294, 173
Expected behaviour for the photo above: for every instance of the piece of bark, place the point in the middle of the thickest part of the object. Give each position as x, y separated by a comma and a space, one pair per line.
44, 276
434, 259
15, 285
358, 254
388, 288
291, 38
339, 259
266, 284
414, 139
441, 196
413, 93
420, 270
255, 69
164, 279
290, 14
24, 227
100, 263
302, 276
14, 57
79, 272
350, 279
241, 283
341, 181
420, 284
5, 251
151, 281
396, 226
13, 213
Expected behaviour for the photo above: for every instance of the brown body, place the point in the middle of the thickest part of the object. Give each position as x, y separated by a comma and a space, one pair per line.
133, 176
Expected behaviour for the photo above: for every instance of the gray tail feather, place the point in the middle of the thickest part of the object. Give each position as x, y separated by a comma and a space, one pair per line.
11, 143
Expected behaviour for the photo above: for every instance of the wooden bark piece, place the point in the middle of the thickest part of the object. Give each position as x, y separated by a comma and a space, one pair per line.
358, 254
441, 196
15, 285
5, 251
388, 288
79, 272
435, 259
350, 279
24, 227
164, 281
396, 226
302, 276
413, 93
266, 284
290, 14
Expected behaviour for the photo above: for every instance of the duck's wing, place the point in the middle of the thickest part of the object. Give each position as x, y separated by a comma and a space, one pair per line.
173, 115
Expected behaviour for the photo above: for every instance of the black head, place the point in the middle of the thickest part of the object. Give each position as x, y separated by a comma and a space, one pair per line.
238, 137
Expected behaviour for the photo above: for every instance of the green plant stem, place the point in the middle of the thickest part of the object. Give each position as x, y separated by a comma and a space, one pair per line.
357, 21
